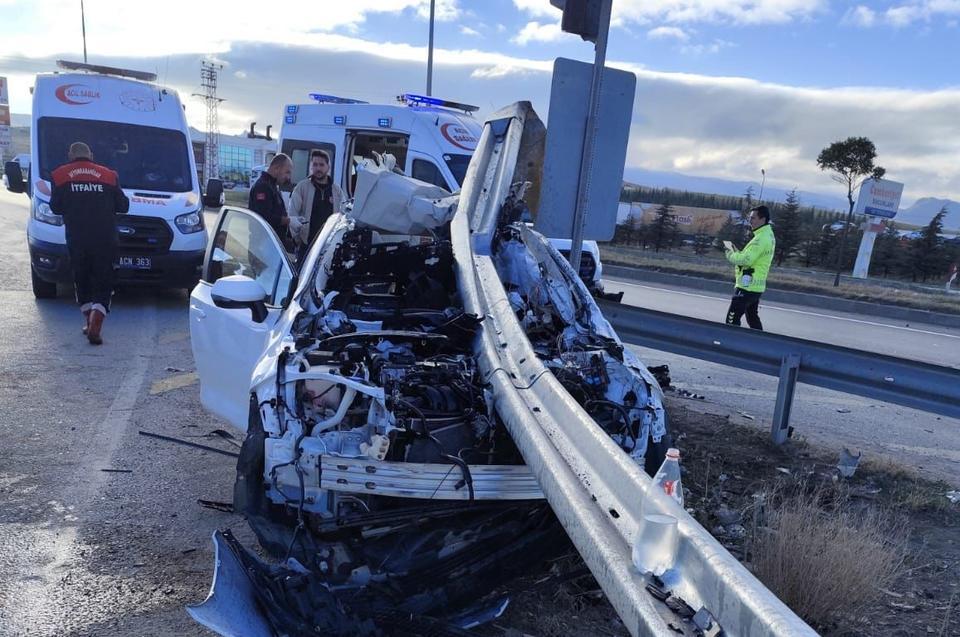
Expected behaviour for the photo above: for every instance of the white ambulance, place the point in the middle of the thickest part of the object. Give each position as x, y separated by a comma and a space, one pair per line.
433, 140
138, 129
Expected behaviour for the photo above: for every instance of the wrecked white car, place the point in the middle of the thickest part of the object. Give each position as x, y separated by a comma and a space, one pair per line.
376, 466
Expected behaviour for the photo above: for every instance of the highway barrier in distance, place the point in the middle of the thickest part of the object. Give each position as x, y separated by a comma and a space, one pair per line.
931, 388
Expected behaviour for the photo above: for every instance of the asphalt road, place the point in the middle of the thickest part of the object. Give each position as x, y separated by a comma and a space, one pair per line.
924, 441
915, 341
88, 551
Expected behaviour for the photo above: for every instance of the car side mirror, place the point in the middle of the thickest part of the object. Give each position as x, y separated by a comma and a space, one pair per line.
239, 292
14, 176
213, 195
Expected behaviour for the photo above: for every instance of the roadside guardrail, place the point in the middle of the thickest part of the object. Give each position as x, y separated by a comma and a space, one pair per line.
932, 388
597, 491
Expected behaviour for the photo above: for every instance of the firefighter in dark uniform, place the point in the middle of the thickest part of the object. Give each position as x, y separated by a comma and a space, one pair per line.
89, 197
265, 198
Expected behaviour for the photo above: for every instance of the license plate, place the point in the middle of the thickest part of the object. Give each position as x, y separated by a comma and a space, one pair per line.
135, 263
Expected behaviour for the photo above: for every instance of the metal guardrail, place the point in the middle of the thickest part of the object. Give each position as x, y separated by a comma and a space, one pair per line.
924, 386
598, 493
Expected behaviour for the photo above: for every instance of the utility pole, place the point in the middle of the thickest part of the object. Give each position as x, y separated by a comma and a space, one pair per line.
433, 4
83, 29
576, 245
208, 81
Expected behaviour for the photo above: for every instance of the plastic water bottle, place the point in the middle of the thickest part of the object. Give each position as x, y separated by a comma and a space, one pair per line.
668, 476
657, 539
655, 544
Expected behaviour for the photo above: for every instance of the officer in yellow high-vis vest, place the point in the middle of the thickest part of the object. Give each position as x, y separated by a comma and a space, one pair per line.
752, 265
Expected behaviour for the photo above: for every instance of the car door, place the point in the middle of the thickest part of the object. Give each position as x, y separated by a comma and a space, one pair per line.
227, 342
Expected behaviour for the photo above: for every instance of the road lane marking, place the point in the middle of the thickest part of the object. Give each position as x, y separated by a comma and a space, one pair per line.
785, 309
173, 382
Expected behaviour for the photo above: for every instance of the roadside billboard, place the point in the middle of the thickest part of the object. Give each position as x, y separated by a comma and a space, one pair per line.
879, 198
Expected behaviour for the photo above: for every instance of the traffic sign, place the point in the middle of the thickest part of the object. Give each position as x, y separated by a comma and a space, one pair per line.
879, 198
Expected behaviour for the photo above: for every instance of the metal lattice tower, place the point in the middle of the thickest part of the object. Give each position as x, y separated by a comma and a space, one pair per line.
208, 81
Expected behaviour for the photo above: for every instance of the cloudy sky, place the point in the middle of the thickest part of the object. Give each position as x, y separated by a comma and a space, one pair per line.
725, 87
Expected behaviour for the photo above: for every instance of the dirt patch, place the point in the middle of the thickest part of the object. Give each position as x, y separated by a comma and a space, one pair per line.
727, 468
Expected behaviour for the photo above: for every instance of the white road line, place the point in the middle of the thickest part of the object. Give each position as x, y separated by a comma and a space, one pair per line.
785, 309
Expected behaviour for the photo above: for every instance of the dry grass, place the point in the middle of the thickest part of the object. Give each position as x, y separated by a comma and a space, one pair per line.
825, 558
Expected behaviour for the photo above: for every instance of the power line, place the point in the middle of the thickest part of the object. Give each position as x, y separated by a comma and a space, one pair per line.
208, 81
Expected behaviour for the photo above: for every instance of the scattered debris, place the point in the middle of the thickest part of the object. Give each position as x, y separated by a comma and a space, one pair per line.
843, 410
662, 374
953, 496
226, 507
848, 463
117, 470
727, 516
784, 471
746, 415
175, 369
686, 393
187, 443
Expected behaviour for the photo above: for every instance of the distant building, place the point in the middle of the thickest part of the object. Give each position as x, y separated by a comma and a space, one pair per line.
239, 155
690, 220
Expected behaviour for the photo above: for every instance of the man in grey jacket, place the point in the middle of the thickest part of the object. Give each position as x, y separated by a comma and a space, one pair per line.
313, 201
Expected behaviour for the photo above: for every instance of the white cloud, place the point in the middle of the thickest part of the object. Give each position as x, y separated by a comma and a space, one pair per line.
242, 75
465, 30
861, 16
685, 11
710, 48
444, 10
713, 126
119, 27
536, 32
667, 33
905, 14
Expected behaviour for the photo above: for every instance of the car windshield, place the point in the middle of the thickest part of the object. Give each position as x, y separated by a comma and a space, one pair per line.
458, 166
144, 157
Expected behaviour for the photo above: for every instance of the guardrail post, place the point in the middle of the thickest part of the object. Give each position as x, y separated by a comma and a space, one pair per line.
789, 369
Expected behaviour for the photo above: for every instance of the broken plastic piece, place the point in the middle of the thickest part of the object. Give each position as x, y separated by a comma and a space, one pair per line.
848, 463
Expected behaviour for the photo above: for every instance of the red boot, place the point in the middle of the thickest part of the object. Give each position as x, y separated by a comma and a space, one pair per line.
94, 327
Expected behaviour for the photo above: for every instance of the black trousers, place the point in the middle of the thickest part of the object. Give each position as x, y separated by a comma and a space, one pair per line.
93, 273
748, 303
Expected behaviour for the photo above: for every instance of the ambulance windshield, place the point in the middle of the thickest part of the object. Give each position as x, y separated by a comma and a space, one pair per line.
458, 166
145, 157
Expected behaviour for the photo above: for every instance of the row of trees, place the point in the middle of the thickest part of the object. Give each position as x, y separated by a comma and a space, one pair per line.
804, 237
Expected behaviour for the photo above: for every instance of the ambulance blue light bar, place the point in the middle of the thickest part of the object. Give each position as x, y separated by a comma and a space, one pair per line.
339, 120
385, 122
412, 99
333, 99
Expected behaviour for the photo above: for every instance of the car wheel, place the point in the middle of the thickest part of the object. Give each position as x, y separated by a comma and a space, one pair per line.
42, 289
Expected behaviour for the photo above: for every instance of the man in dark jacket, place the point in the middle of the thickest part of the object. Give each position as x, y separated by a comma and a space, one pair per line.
89, 197
265, 198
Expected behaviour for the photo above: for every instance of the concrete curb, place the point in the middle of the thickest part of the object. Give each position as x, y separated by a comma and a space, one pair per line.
785, 296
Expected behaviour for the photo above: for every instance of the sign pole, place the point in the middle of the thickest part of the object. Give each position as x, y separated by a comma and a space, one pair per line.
861, 268
590, 135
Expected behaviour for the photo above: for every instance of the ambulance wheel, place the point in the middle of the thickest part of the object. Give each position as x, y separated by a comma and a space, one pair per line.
42, 289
